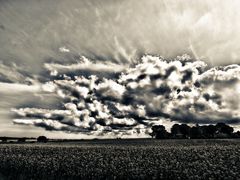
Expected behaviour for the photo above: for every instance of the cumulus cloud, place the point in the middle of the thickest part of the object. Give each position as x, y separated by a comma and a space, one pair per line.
153, 91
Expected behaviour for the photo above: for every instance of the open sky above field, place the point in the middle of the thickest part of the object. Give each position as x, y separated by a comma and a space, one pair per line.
81, 69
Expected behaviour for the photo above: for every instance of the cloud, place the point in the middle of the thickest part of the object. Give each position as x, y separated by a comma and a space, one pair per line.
15, 88
153, 91
85, 67
224, 74
119, 32
15, 80
14, 74
64, 49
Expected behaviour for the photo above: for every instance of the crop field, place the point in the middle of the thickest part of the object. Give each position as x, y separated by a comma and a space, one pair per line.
122, 159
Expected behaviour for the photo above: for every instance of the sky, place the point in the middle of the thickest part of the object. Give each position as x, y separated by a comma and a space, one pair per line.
84, 69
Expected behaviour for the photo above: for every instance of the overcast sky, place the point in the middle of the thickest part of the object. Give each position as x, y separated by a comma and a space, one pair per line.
43, 41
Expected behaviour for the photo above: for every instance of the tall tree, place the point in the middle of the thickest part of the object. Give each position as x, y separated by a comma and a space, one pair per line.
195, 132
185, 130
175, 130
159, 132
223, 128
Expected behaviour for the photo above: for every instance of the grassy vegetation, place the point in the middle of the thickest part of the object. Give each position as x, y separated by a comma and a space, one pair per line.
122, 159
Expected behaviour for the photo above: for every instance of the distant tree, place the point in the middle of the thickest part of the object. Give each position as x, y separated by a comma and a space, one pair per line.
202, 131
195, 132
223, 128
236, 134
185, 130
210, 131
175, 130
3, 139
182, 131
152, 134
159, 132
42, 139
21, 140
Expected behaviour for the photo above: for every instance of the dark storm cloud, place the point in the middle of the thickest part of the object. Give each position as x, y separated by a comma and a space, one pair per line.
154, 88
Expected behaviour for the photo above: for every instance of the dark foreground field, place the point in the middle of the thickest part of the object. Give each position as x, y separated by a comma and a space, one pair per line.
122, 159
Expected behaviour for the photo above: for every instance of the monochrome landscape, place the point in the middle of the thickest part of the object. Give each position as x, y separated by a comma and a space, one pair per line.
111, 89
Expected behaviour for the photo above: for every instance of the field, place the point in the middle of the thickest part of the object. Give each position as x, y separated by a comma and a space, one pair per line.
122, 159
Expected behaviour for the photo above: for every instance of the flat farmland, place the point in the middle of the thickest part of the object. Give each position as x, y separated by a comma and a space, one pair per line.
122, 159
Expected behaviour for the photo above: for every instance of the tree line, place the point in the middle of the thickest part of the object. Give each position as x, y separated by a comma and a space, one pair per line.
183, 131
5, 139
